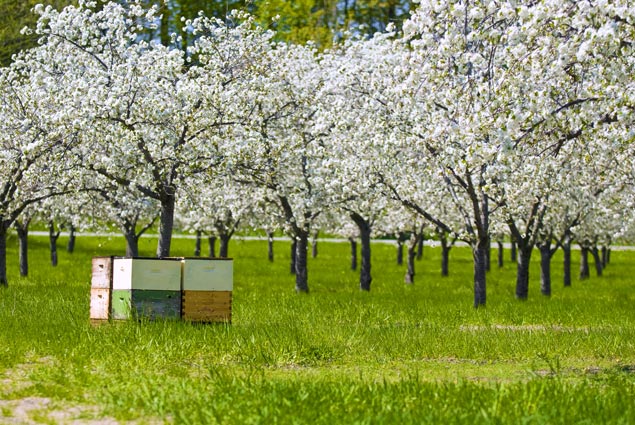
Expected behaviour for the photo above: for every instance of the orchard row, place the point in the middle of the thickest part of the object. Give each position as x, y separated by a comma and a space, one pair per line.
480, 121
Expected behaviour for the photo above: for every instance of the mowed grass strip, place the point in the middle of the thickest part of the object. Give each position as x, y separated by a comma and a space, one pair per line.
401, 353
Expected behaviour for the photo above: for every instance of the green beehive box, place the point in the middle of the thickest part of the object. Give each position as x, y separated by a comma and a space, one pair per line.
146, 288
121, 304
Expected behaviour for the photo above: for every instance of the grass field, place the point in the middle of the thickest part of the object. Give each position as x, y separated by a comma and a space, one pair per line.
399, 354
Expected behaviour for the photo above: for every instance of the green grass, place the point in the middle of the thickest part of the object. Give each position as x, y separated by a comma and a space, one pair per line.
399, 354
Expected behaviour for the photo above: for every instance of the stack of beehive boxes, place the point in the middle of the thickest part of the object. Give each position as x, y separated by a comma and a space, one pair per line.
194, 289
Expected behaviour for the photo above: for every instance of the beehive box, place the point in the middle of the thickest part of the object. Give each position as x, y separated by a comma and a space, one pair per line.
100, 288
146, 288
207, 289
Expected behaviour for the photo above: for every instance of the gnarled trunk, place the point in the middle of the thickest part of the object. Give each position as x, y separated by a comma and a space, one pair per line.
445, 256
566, 261
23, 247
365, 228
522, 271
132, 243
412, 253
70, 246
197, 245
166, 224
211, 243
597, 260
545, 268
479, 252
353, 253
301, 271
399, 251
500, 254
604, 256
420, 247
270, 246
584, 262
53, 236
223, 250
513, 253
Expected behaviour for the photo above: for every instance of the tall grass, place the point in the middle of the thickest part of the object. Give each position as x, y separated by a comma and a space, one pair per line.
401, 353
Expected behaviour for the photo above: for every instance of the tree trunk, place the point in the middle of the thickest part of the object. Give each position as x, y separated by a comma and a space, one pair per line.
166, 224
211, 242
53, 236
23, 247
70, 246
488, 257
445, 260
566, 252
479, 252
545, 268
604, 256
223, 250
445, 254
597, 260
500, 254
270, 246
514, 254
314, 245
399, 251
420, 247
294, 250
3, 256
301, 272
197, 246
412, 253
132, 243
365, 228
522, 271
353, 253
584, 263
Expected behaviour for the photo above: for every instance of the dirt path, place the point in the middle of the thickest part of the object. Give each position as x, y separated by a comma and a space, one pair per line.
42, 410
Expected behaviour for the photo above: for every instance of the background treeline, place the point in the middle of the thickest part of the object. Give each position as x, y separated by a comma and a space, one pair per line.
318, 21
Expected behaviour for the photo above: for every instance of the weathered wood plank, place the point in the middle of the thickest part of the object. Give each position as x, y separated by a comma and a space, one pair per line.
207, 306
100, 303
101, 272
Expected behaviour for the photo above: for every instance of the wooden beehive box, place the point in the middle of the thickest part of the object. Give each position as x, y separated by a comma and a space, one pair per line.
207, 289
100, 288
146, 287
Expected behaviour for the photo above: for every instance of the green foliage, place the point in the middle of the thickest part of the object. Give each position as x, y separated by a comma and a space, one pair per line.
17, 15
299, 21
399, 354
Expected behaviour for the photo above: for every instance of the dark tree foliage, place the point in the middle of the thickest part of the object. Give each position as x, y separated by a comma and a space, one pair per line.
15, 16
300, 21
